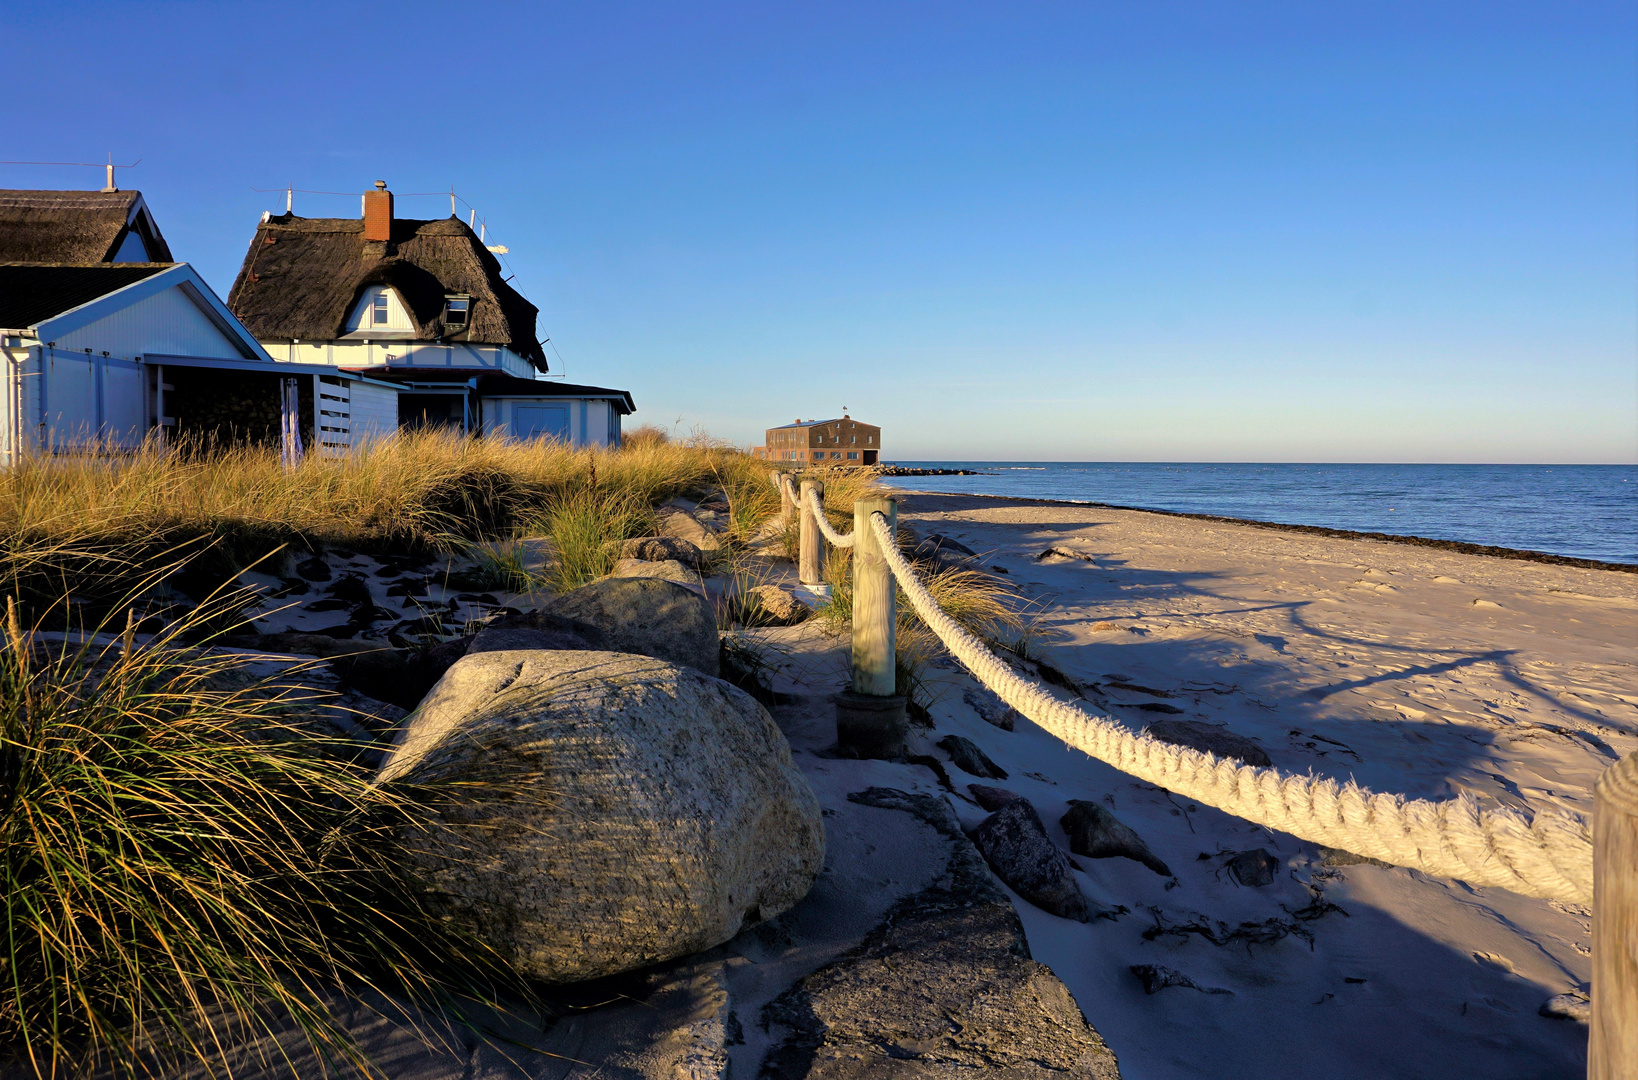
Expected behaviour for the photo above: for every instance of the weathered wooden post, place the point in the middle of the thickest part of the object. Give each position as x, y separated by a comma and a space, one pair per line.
870, 717
1612, 1053
787, 503
810, 569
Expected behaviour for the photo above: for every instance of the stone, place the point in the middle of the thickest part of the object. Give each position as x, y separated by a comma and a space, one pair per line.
967, 757
1254, 868
775, 605
943, 988
1097, 833
991, 798
1156, 978
1575, 1005
663, 549
368, 667
990, 708
647, 616
1017, 847
314, 569
351, 588
683, 526
937, 546
1210, 739
641, 810
516, 638
669, 570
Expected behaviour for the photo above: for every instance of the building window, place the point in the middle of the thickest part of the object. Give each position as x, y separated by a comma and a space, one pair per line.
853, 455
379, 315
455, 310
854, 440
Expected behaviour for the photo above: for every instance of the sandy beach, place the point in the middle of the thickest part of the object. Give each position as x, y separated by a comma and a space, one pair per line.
1410, 669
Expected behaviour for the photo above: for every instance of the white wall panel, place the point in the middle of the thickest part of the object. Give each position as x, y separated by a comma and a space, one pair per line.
375, 413
166, 322
124, 402
71, 398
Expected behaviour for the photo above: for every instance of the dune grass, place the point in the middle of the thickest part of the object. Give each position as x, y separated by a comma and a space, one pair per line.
185, 862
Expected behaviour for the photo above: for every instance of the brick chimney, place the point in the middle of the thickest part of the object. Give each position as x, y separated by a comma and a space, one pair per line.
378, 213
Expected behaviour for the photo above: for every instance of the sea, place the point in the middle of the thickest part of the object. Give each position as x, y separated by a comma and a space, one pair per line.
1583, 511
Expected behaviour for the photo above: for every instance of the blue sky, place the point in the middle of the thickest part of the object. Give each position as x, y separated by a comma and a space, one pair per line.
1157, 231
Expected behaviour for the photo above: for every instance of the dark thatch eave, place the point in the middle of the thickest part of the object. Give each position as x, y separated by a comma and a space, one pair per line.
31, 293
76, 228
302, 276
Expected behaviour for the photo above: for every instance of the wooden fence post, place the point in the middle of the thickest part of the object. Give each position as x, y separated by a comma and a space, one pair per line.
1612, 1053
870, 716
875, 606
811, 566
787, 505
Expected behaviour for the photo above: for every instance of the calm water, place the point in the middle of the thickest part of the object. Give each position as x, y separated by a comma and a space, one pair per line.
1589, 511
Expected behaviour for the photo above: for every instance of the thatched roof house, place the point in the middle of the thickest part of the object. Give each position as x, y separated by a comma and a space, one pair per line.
304, 278
78, 228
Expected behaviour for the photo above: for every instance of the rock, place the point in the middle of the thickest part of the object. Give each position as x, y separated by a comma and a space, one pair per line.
937, 546
1211, 739
647, 616
1337, 857
942, 989
1575, 1005
990, 708
314, 569
777, 605
1156, 978
352, 588
524, 638
432, 661
1015, 844
662, 549
1062, 554
651, 812
669, 570
991, 798
1254, 868
683, 526
1098, 834
967, 757
368, 667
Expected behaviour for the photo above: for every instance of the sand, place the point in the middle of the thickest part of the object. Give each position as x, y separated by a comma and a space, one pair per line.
1409, 669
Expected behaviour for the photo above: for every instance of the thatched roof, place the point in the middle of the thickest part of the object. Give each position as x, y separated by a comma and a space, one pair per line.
74, 227
302, 276
32, 293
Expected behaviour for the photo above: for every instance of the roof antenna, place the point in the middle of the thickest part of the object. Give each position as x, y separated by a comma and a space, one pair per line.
290, 199
452, 201
110, 186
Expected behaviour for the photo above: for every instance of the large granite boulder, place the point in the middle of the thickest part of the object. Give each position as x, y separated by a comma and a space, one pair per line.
665, 570
640, 810
682, 525
943, 989
1098, 834
646, 616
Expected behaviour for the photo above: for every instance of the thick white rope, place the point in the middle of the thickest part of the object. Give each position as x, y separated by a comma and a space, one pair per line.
836, 539
1550, 857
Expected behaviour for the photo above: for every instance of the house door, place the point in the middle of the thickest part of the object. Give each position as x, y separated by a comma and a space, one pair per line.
541, 421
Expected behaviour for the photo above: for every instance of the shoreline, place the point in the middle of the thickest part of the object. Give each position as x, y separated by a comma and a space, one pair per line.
1458, 546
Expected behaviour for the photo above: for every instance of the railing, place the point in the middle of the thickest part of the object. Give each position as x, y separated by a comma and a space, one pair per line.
1555, 855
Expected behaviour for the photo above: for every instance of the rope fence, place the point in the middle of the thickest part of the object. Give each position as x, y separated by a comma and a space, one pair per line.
1550, 856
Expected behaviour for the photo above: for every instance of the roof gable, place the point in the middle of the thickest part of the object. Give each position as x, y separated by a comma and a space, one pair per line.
302, 277
75, 227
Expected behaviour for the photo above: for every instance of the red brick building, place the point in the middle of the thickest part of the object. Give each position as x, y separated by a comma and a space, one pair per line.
826, 442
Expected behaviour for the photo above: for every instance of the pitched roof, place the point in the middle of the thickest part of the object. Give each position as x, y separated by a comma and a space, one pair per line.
301, 277
30, 293
76, 227
492, 385
818, 423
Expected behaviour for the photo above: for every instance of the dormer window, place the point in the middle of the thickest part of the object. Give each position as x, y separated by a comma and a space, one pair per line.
456, 310
380, 312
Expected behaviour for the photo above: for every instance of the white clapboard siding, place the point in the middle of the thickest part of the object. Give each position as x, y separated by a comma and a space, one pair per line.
375, 412
166, 322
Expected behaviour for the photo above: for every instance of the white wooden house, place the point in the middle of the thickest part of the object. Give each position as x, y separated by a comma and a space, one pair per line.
420, 304
96, 352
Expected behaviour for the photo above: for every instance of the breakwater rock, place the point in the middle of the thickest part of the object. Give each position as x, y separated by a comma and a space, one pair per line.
639, 810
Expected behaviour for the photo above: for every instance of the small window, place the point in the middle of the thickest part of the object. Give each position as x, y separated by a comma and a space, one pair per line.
853, 455
378, 310
854, 440
455, 310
